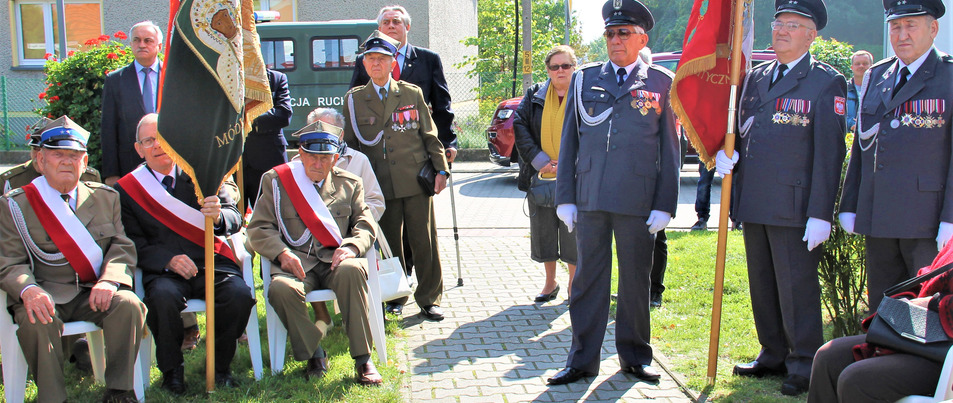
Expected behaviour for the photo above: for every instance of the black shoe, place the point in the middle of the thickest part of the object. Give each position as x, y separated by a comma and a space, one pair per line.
757, 370
548, 297
656, 301
700, 225
736, 225
432, 312
643, 372
173, 380
80, 357
119, 396
567, 375
795, 385
225, 379
394, 308
317, 365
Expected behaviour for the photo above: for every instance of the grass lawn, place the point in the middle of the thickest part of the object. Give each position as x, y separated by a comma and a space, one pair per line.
337, 385
680, 329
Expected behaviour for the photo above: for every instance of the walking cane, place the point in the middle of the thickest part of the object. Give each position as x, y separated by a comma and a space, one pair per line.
456, 234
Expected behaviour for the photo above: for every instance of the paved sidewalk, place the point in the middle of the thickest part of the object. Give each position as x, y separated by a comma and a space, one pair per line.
496, 344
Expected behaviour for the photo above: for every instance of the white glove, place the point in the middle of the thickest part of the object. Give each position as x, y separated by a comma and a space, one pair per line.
658, 220
723, 164
816, 232
847, 221
567, 214
943, 235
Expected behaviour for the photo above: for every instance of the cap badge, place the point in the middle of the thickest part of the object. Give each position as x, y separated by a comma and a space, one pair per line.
616, 4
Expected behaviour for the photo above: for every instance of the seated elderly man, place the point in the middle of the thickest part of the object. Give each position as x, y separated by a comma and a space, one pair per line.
65, 257
163, 217
312, 221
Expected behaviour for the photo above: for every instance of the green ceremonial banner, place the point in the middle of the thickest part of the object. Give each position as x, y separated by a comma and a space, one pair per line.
201, 101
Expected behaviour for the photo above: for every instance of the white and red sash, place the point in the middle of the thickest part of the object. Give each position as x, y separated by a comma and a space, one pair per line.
185, 220
308, 204
67, 232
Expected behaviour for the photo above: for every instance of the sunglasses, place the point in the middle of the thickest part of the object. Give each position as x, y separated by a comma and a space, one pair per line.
564, 66
622, 33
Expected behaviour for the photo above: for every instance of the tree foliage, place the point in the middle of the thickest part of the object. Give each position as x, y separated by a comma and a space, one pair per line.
498, 30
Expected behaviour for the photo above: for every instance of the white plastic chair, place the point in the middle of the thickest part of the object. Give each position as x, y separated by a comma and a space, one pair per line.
278, 334
147, 353
14, 362
944, 388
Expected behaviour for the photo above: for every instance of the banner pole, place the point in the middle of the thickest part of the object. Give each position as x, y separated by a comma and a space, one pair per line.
240, 181
737, 37
209, 305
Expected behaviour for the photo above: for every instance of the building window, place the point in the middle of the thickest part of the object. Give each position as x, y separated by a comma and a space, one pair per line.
284, 7
279, 54
37, 29
332, 53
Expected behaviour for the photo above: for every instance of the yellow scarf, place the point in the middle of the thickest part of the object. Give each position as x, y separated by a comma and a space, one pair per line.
551, 127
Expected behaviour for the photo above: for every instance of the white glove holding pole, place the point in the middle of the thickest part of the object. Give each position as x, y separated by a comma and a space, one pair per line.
816, 232
847, 221
567, 214
943, 235
658, 220
723, 164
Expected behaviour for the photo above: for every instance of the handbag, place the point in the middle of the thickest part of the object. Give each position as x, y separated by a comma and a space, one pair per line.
427, 178
906, 327
393, 280
542, 192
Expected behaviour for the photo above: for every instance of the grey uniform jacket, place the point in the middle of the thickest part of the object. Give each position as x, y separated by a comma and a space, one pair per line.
899, 180
627, 164
792, 153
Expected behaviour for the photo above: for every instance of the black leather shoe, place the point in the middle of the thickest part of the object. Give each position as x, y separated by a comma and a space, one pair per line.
80, 357
119, 396
548, 297
173, 380
567, 375
757, 370
225, 379
643, 372
656, 301
316, 368
700, 225
367, 374
394, 308
432, 312
795, 385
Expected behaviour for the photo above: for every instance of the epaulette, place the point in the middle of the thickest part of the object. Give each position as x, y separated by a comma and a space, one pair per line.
662, 70
830, 70
13, 171
591, 65
411, 85
884, 61
355, 89
97, 185
13, 192
946, 58
91, 170
346, 174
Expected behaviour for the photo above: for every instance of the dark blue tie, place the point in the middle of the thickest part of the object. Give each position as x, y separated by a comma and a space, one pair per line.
167, 184
621, 74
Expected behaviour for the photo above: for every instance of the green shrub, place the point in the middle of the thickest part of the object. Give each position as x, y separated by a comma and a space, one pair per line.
75, 85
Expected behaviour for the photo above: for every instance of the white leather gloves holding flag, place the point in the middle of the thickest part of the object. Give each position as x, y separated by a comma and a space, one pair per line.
567, 214
943, 235
816, 232
657, 221
723, 164
847, 221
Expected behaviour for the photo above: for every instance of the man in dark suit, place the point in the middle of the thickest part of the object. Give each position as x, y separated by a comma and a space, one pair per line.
899, 185
82, 273
618, 170
154, 197
265, 145
128, 94
791, 149
419, 66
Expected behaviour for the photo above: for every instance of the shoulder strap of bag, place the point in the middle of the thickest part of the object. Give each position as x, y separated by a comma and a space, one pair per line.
913, 282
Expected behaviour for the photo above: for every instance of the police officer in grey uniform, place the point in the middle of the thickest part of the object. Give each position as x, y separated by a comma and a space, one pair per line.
618, 176
26, 172
899, 187
791, 150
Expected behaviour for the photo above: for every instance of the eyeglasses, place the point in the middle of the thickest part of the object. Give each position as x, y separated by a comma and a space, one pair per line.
148, 142
623, 34
564, 66
788, 26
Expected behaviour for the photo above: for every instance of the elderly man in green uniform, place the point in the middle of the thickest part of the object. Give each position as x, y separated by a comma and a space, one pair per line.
64, 256
26, 172
389, 121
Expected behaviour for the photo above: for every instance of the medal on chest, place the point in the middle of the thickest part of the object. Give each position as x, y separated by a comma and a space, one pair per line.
646, 101
790, 111
920, 114
405, 118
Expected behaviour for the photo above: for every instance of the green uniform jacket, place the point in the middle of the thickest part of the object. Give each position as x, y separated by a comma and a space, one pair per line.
410, 143
26, 172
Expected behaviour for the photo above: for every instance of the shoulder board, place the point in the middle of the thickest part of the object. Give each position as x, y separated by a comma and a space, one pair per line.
345, 174
358, 88
591, 65
408, 85
91, 170
662, 70
946, 58
884, 61
827, 68
14, 192
13, 171
97, 185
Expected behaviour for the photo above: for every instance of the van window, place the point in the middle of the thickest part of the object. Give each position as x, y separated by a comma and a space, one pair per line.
279, 54
334, 53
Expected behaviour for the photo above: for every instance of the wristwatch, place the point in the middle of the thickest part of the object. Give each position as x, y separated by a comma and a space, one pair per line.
444, 173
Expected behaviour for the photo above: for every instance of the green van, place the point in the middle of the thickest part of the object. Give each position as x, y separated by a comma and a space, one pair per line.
319, 59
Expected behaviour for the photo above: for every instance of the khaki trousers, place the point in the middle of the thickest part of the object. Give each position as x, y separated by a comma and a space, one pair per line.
349, 283
122, 326
416, 214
